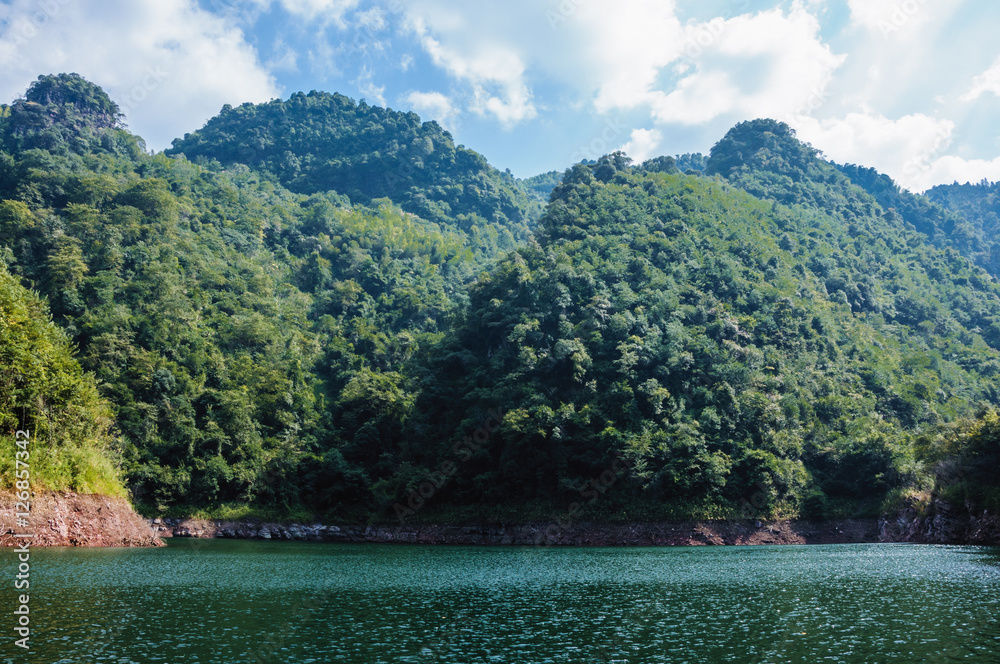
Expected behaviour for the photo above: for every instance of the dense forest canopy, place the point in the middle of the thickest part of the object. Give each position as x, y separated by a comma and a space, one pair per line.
44, 394
317, 142
319, 306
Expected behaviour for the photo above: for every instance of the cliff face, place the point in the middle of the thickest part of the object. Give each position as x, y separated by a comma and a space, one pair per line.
69, 519
941, 523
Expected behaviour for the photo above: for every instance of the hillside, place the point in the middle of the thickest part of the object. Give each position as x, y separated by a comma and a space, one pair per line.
276, 331
953, 216
724, 345
977, 207
228, 320
318, 142
50, 410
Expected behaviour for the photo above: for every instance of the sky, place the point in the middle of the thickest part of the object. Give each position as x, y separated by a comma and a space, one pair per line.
910, 87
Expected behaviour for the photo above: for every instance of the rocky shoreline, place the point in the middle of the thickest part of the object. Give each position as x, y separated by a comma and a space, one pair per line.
686, 533
943, 524
70, 519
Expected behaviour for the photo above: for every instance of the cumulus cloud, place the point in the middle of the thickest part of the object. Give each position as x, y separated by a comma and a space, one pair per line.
169, 64
609, 53
908, 149
433, 106
643, 144
495, 71
629, 43
950, 168
988, 81
697, 99
769, 64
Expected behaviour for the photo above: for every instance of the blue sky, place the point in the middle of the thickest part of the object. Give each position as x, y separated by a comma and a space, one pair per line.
911, 87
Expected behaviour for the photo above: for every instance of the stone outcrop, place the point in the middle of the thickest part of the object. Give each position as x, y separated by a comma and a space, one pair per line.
70, 519
941, 522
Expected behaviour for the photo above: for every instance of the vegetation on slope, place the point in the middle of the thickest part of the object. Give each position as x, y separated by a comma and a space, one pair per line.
757, 331
317, 142
233, 324
723, 345
45, 393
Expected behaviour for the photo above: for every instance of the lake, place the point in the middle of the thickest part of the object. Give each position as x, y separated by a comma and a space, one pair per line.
224, 601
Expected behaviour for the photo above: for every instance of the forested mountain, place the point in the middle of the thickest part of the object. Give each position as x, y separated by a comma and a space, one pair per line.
723, 344
274, 323
226, 317
977, 229
541, 186
956, 216
318, 142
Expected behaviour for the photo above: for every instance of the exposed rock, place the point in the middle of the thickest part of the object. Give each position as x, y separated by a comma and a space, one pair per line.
705, 533
68, 519
940, 522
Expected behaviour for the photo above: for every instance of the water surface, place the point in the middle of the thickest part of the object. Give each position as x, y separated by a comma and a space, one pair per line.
235, 601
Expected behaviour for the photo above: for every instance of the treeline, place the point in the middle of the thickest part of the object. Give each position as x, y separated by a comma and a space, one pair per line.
319, 142
234, 325
274, 325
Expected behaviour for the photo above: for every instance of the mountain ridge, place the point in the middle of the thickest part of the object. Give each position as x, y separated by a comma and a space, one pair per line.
756, 326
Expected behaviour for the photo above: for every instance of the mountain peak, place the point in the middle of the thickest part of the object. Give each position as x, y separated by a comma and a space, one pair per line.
762, 144
61, 112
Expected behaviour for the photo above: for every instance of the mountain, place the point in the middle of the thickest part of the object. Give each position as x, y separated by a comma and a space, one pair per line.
277, 327
955, 216
318, 142
540, 186
725, 345
977, 209
226, 318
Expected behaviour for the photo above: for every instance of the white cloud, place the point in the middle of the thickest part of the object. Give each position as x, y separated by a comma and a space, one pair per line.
630, 43
373, 94
643, 144
900, 19
949, 168
610, 53
332, 10
908, 149
495, 71
284, 59
697, 99
871, 14
168, 63
432, 106
769, 64
371, 19
318, 12
988, 81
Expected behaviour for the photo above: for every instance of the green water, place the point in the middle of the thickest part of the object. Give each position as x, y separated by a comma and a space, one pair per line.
231, 601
